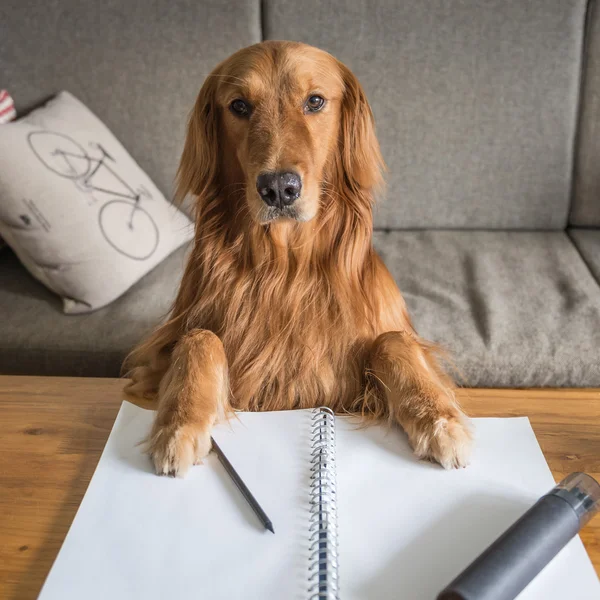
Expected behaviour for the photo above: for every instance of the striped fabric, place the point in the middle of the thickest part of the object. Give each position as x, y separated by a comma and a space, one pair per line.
7, 107
7, 113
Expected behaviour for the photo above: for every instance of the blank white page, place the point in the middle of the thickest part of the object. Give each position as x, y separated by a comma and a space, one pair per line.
406, 527
140, 536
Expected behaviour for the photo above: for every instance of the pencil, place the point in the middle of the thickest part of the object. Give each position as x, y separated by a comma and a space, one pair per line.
256, 507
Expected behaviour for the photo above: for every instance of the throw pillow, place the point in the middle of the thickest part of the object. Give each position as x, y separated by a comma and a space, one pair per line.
78, 211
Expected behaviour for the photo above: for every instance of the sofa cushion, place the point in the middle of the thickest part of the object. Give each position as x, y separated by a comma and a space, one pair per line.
475, 101
515, 309
37, 338
587, 241
137, 64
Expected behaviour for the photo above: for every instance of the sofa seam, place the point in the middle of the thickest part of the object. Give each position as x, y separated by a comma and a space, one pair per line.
580, 101
580, 253
262, 11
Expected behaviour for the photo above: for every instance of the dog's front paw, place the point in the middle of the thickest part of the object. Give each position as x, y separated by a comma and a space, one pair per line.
446, 441
175, 449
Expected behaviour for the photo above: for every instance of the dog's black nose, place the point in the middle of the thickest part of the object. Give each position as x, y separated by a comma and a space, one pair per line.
279, 189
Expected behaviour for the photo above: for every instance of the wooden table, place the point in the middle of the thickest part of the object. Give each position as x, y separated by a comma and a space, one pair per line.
53, 430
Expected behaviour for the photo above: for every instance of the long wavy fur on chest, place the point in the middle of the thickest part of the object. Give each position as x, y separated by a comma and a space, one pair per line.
296, 307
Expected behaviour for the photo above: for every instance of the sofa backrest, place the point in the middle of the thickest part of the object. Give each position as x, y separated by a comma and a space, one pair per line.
138, 64
476, 101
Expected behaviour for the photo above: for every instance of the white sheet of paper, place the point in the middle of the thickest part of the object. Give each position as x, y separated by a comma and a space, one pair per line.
406, 528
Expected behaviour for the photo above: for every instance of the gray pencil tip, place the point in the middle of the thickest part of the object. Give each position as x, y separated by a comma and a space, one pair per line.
269, 526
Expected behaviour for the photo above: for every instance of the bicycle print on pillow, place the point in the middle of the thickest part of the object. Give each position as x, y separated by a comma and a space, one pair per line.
125, 225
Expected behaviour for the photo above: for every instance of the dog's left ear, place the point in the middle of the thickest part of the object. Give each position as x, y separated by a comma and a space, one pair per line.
360, 159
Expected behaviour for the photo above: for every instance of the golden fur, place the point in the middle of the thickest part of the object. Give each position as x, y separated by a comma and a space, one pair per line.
286, 313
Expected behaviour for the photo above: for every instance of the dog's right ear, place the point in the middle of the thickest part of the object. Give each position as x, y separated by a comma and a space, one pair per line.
198, 169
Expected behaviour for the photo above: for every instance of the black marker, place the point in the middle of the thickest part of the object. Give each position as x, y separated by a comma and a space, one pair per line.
523, 550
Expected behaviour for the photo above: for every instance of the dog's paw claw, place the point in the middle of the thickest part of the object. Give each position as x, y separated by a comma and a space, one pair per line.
174, 450
447, 442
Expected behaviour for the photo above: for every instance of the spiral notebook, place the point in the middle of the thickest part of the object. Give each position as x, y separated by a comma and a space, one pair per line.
356, 516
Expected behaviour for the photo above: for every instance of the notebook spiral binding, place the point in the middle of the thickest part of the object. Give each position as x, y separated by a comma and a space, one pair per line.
323, 532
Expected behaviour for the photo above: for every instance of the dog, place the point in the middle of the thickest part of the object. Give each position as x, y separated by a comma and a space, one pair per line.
284, 303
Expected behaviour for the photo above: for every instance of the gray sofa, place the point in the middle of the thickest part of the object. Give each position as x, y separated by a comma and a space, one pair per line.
488, 113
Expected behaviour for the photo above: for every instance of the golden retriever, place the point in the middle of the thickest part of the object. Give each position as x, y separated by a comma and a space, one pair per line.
284, 303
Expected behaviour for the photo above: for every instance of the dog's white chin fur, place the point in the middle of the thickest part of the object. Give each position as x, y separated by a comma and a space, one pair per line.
269, 214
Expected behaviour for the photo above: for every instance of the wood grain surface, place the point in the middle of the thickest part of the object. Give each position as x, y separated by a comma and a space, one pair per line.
53, 430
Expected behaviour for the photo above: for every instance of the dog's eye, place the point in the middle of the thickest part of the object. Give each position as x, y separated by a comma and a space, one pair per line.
314, 104
240, 107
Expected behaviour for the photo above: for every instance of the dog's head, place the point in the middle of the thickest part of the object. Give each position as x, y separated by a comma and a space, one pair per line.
279, 127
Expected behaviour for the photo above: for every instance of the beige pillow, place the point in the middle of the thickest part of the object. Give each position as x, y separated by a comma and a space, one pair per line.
78, 211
